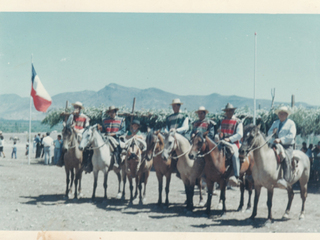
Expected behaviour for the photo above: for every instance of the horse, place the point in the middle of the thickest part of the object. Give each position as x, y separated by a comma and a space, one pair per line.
246, 170
135, 166
72, 159
155, 145
266, 170
190, 170
101, 158
215, 167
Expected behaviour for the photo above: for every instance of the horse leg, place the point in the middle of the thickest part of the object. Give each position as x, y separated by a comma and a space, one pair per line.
67, 183
160, 182
124, 180
290, 198
72, 180
137, 186
257, 190
168, 179
201, 202
242, 186
146, 176
119, 185
250, 185
189, 192
223, 187
76, 184
105, 185
131, 190
95, 180
140, 189
303, 194
79, 189
210, 192
269, 204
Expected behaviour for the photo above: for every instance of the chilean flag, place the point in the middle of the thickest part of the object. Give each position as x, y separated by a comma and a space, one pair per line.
41, 98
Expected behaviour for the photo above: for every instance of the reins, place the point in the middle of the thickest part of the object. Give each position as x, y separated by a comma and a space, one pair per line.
182, 153
205, 154
266, 141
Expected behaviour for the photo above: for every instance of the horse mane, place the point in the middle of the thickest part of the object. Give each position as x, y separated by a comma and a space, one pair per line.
251, 127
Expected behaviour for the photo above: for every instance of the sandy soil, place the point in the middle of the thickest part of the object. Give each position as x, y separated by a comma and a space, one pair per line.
32, 199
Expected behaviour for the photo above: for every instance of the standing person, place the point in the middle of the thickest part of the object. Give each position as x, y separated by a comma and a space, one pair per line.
47, 143
284, 131
203, 124
34, 144
14, 150
232, 131
304, 147
177, 121
38, 145
57, 149
114, 126
42, 146
79, 121
27, 148
1, 145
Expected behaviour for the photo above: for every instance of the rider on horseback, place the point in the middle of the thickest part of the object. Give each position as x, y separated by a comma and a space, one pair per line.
79, 121
114, 126
203, 124
284, 131
231, 132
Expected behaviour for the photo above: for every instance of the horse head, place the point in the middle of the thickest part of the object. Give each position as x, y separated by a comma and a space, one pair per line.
170, 144
151, 140
249, 140
87, 136
198, 144
133, 158
68, 136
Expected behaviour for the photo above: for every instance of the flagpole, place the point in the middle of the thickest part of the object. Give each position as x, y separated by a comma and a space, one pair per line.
254, 84
30, 116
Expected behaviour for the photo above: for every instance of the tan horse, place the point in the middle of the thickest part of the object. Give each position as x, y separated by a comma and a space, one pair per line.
135, 167
155, 145
72, 160
266, 170
190, 170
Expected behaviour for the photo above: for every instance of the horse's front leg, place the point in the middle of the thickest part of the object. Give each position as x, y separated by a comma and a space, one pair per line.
119, 185
137, 186
105, 184
290, 198
201, 202
250, 186
131, 190
160, 182
67, 183
210, 185
269, 204
77, 173
95, 180
168, 179
140, 188
257, 190
242, 186
72, 180
223, 187
124, 180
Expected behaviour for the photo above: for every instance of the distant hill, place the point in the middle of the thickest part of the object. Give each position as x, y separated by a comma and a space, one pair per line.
15, 107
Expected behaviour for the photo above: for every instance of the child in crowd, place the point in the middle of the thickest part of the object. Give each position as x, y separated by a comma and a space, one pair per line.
14, 150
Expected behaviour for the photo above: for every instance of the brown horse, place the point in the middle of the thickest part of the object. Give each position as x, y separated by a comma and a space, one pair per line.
245, 171
72, 159
215, 166
136, 167
155, 145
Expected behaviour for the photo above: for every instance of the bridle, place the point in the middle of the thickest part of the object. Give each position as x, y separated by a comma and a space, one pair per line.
251, 149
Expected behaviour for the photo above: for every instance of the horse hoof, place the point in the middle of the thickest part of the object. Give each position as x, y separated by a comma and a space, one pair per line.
301, 217
240, 209
202, 203
205, 215
189, 213
219, 206
65, 197
248, 210
119, 196
268, 223
285, 216
165, 207
130, 204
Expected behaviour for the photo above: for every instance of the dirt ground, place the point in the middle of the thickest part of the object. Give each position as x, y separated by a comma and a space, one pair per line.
32, 200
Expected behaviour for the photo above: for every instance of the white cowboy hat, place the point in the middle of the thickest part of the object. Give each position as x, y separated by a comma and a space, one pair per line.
229, 106
111, 108
176, 101
78, 104
202, 109
283, 109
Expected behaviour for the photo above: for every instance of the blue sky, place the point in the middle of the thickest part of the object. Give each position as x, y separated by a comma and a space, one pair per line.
186, 54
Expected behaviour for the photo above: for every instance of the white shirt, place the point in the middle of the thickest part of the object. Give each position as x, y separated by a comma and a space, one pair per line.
287, 133
47, 141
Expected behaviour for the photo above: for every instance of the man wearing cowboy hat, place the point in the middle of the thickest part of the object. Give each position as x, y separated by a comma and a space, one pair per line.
284, 131
231, 131
203, 124
114, 126
79, 121
177, 121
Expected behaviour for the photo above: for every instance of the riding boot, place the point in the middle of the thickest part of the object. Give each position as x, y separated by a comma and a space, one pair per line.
60, 162
283, 182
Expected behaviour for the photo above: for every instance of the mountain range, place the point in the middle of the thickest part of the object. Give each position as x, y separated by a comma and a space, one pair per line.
15, 107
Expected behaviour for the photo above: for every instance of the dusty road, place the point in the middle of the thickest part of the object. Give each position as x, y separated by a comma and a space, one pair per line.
32, 200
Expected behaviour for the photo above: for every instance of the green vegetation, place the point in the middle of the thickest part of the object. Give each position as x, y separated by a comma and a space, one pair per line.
19, 126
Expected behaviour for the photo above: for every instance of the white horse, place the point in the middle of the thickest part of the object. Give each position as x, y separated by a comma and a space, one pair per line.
190, 170
101, 159
266, 170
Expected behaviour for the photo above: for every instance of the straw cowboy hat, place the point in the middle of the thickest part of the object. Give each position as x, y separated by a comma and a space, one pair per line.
202, 109
136, 121
283, 109
78, 104
229, 106
176, 101
111, 108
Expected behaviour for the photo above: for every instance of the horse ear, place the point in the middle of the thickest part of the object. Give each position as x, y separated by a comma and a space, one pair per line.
148, 129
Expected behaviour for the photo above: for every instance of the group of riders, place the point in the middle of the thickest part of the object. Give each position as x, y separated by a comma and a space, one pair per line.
283, 132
